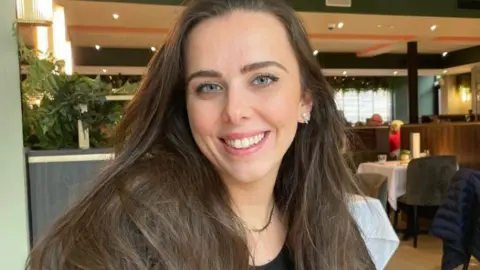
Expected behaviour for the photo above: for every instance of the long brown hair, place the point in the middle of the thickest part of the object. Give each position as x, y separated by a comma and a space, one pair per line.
161, 205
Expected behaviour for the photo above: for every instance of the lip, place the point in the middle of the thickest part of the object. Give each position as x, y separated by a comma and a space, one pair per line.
245, 151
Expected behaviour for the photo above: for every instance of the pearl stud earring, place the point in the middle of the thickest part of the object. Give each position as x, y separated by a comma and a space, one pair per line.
306, 117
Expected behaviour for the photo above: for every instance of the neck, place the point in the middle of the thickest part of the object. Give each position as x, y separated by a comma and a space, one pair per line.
253, 202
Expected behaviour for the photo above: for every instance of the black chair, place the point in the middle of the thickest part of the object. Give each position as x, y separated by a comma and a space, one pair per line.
428, 180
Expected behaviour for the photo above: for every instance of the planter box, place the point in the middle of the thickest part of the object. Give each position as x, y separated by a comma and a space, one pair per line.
55, 177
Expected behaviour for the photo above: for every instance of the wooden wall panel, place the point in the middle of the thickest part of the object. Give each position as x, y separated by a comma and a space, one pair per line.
459, 139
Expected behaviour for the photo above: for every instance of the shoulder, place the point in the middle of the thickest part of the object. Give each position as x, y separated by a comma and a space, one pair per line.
375, 228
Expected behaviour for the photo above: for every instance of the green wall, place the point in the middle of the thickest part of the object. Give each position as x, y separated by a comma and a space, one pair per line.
14, 235
426, 97
400, 99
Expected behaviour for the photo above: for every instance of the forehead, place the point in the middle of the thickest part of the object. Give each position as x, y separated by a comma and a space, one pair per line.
236, 39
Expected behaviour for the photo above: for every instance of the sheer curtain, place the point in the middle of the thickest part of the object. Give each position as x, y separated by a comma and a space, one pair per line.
357, 106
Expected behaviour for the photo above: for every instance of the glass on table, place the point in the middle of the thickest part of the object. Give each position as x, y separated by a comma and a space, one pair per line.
382, 159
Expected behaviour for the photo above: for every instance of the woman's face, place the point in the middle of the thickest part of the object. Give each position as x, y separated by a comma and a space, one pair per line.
244, 98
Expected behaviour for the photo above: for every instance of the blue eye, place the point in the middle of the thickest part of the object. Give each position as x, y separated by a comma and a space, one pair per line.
209, 87
264, 80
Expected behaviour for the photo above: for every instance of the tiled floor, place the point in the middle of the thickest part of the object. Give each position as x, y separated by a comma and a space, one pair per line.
427, 256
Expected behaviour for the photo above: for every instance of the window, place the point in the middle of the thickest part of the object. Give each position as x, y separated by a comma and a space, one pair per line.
358, 106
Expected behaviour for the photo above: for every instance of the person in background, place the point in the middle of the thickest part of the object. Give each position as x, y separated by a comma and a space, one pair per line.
394, 139
375, 120
470, 116
435, 119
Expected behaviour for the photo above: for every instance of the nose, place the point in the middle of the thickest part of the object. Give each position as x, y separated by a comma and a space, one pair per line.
237, 106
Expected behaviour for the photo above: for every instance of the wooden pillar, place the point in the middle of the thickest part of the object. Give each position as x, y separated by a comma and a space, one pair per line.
412, 67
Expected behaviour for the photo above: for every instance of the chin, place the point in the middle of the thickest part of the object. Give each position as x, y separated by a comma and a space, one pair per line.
263, 168
247, 162
250, 174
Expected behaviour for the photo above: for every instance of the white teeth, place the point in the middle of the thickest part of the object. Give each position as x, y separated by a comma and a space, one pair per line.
245, 142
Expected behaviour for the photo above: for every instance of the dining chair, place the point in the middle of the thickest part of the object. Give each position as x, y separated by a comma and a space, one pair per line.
373, 185
428, 179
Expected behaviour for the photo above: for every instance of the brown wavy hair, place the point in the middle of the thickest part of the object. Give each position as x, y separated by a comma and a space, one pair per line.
161, 204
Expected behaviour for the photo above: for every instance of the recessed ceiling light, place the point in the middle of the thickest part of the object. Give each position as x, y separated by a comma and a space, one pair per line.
104, 70
433, 27
379, 25
340, 25
395, 72
445, 71
153, 49
391, 26
344, 73
115, 16
97, 47
315, 52
444, 54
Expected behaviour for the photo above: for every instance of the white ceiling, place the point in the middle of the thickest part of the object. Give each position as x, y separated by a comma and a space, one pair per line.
142, 26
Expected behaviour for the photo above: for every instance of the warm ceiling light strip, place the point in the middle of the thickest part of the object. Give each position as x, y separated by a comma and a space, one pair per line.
35, 11
117, 29
457, 39
373, 49
359, 37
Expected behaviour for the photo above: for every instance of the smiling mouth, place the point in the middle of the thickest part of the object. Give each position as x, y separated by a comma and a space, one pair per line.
245, 143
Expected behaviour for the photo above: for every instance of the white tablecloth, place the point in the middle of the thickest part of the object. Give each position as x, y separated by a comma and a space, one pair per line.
396, 174
377, 231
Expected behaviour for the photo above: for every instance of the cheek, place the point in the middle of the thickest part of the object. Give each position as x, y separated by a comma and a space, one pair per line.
201, 118
284, 109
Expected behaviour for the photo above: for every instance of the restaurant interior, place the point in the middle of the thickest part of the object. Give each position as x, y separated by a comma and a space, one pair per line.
406, 76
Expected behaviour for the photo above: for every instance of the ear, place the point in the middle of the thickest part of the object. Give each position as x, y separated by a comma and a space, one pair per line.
305, 107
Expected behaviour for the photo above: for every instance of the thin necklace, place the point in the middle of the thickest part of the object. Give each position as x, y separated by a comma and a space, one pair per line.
258, 231
266, 225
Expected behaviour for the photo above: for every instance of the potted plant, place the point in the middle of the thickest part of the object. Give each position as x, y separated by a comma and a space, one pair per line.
51, 108
405, 156
51, 104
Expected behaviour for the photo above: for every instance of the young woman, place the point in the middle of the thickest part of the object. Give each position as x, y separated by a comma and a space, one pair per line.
228, 157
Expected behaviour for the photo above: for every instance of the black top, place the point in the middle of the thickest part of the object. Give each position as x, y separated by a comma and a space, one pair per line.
281, 262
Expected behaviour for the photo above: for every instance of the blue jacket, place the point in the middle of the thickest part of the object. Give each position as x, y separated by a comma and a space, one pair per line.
457, 221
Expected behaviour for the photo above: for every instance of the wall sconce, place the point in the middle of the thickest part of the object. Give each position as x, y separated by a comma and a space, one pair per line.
68, 58
42, 44
36, 12
59, 33
465, 94
62, 48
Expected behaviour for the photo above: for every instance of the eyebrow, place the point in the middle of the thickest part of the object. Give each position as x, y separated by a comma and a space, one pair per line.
259, 65
244, 69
